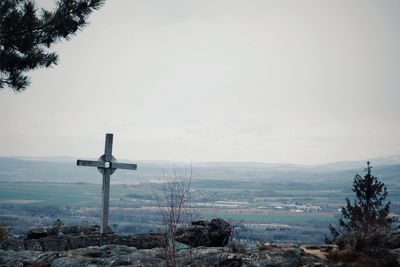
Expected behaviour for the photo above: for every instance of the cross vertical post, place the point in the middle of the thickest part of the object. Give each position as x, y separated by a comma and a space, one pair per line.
105, 194
105, 197
106, 165
108, 147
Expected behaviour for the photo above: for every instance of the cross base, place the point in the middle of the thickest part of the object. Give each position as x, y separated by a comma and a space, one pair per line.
103, 239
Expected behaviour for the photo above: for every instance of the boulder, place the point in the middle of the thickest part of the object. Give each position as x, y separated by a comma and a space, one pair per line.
49, 256
15, 245
33, 244
139, 241
36, 233
70, 262
102, 252
58, 230
273, 256
16, 259
55, 244
83, 241
214, 233
64, 243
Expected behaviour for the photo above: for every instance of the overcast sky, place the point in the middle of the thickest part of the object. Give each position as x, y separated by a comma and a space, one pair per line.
213, 80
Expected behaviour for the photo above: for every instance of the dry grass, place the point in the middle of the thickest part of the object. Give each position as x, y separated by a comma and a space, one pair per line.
373, 258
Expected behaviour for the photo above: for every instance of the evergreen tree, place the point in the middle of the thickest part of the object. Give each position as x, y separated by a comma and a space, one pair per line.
26, 34
367, 215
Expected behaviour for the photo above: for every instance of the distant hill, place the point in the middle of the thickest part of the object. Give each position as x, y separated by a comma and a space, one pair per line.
64, 169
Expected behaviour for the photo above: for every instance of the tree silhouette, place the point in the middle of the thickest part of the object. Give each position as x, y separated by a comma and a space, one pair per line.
368, 214
26, 34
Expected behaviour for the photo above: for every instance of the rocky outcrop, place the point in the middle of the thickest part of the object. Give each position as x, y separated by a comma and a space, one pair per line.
118, 255
64, 243
60, 230
145, 250
214, 233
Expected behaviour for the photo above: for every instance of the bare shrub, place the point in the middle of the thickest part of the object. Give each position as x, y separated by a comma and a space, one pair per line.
4, 232
173, 199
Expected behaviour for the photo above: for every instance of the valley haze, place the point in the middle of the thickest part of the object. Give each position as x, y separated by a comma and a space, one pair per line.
64, 169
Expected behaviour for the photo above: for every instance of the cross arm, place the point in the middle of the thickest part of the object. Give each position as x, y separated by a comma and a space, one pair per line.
125, 166
90, 163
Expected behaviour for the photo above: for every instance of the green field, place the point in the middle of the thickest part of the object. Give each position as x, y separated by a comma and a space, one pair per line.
58, 194
79, 195
48, 193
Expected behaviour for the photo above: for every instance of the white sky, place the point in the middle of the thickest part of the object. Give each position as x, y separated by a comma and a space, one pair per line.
218, 80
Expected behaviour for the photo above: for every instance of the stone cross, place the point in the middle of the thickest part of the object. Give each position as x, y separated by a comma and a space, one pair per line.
106, 165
